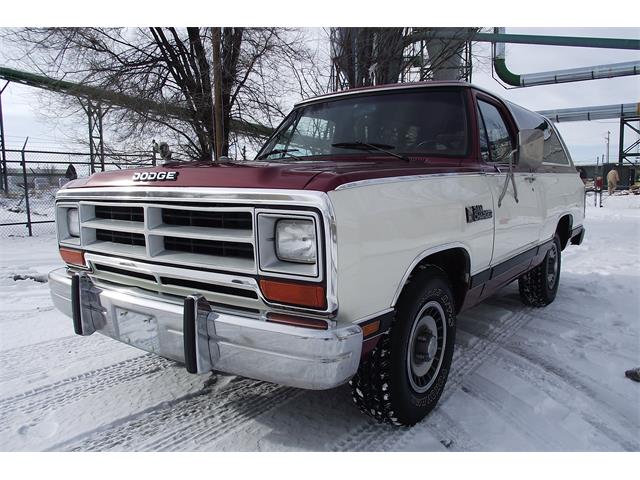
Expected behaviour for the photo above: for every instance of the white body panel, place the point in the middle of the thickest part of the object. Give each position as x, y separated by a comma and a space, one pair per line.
383, 227
563, 193
518, 224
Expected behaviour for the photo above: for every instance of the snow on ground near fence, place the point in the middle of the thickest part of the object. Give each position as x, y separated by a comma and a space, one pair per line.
522, 378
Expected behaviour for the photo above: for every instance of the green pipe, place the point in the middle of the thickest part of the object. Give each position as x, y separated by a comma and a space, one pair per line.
506, 75
93, 93
501, 37
590, 42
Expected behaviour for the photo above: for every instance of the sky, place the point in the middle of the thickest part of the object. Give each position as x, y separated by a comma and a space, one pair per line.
586, 140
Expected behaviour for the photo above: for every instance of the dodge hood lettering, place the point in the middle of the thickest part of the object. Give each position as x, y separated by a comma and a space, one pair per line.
154, 176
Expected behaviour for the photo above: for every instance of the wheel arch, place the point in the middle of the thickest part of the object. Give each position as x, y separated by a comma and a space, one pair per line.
564, 229
453, 259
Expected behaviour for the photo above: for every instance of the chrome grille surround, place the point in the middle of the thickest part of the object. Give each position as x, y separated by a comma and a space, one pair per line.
153, 260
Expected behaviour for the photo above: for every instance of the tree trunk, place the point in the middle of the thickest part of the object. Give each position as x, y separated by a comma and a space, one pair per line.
217, 89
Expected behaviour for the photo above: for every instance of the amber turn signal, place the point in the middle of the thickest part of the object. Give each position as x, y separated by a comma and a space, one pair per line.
73, 257
293, 293
371, 328
297, 321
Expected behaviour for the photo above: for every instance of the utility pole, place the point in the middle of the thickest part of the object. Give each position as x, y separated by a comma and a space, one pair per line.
608, 138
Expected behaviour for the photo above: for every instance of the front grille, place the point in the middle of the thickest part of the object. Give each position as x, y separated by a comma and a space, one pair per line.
209, 247
210, 219
124, 273
221, 295
219, 237
126, 238
208, 287
129, 214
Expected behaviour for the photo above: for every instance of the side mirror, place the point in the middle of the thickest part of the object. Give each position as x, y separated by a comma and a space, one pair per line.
530, 148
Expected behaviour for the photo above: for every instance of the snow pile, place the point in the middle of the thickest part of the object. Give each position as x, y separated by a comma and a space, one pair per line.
522, 378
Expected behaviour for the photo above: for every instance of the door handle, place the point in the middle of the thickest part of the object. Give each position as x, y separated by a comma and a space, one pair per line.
530, 179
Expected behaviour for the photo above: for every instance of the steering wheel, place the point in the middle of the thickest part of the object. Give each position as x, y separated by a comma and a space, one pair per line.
427, 144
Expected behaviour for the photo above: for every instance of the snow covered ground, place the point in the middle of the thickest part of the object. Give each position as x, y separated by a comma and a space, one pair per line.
522, 378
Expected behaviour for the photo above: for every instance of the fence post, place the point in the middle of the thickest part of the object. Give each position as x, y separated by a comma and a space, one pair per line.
26, 187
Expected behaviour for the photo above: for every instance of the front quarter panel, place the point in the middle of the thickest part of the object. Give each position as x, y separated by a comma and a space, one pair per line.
384, 227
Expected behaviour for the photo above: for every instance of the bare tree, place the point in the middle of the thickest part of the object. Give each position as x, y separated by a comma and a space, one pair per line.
259, 70
375, 56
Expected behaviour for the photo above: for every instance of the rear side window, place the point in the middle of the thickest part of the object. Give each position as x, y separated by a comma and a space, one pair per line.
497, 142
554, 151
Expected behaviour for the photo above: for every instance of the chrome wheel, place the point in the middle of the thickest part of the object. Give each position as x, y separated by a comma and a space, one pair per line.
426, 346
552, 266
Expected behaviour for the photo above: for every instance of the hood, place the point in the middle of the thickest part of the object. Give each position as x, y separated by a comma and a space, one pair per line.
322, 175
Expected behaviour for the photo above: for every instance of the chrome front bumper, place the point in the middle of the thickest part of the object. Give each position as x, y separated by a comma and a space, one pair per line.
203, 339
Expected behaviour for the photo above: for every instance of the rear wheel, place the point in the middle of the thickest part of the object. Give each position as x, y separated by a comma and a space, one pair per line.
539, 286
404, 376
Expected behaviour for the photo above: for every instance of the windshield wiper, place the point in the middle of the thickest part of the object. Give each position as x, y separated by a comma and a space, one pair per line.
280, 150
381, 147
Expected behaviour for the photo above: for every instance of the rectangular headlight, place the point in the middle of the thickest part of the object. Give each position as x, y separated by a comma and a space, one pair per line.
73, 222
296, 241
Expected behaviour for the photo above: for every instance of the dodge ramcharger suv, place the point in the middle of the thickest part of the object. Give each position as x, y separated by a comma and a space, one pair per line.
343, 253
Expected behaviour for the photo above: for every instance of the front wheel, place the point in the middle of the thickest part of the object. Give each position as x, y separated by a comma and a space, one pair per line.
404, 376
539, 286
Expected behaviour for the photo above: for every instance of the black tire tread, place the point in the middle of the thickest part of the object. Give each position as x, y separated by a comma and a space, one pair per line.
533, 284
370, 387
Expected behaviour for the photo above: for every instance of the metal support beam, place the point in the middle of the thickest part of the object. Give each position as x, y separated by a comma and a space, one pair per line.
25, 181
627, 154
95, 114
4, 177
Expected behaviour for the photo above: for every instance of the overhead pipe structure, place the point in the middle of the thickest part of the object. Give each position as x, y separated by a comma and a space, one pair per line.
95, 97
560, 76
600, 112
628, 113
501, 37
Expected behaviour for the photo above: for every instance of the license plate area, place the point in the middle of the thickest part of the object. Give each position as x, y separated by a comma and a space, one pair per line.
137, 329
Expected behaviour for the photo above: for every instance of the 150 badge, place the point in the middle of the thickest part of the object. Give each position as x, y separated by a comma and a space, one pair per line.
476, 212
154, 176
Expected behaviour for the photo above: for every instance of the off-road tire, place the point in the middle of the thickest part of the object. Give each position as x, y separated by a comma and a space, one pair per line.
535, 287
382, 387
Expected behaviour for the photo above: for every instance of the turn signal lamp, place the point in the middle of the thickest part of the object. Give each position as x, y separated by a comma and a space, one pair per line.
73, 257
294, 293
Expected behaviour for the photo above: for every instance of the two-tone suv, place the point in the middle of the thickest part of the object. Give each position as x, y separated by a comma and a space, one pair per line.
343, 252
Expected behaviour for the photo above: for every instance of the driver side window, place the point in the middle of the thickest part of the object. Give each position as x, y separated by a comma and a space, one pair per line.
495, 141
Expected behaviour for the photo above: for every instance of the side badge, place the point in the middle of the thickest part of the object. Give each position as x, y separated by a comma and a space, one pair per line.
476, 212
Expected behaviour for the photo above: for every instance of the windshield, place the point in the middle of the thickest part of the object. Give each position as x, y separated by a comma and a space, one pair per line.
424, 122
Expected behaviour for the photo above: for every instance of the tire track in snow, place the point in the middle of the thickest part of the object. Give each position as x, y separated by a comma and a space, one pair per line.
556, 388
577, 380
177, 424
39, 401
37, 359
226, 420
373, 436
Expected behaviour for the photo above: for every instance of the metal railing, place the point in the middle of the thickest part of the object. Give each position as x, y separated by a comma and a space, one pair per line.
29, 180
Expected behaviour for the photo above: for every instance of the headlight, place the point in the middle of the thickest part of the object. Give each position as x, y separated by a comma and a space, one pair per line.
296, 241
73, 222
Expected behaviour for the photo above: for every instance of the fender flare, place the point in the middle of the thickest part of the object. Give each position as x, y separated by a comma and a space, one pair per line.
421, 256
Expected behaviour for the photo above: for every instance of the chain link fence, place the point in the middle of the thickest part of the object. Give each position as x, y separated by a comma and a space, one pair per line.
31, 178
